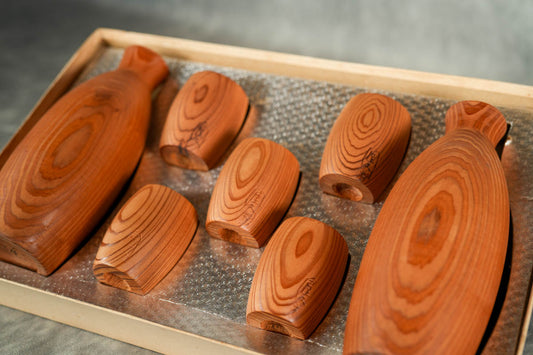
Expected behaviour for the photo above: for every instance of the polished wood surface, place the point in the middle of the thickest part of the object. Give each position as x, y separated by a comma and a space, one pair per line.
365, 148
203, 121
433, 264
147, 237
253, 191
62, 177
298, 277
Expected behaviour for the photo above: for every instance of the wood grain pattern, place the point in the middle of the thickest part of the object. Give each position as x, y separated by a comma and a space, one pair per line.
298, 277
65, 173
147, 237
365, 148
433, 264
203, 120
253, 192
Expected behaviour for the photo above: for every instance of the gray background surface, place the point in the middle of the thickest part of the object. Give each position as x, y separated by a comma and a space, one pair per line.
491, 39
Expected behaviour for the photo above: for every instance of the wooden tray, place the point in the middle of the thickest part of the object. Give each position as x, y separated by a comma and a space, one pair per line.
149, 333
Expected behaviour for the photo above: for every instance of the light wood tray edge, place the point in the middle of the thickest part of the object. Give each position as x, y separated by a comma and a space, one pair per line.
109, 323
397, 80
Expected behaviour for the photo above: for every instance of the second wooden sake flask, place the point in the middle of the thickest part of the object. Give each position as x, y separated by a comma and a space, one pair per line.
432, 267
146, 239
298, 277
253, 191
365, 148
63, 176
204, 119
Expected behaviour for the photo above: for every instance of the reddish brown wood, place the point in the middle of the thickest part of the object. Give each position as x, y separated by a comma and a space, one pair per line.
365, 148
297, 278
204, 119
147, 237
65, 173
433, 264
253, 192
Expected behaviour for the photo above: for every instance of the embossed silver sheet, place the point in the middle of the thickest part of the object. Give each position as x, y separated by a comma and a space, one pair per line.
206, 293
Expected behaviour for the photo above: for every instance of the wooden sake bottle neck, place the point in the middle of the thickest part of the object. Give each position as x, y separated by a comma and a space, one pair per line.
477, 116
146, 64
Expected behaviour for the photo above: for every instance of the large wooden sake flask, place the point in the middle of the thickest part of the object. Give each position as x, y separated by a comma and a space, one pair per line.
64, 175
298, 277
253, 192
147, 237
365, 148
432, 267
203, 121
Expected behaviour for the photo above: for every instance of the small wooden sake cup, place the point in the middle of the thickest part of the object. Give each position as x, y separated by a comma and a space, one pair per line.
253, 192
298, 277
147, 237
365, 148
204, 119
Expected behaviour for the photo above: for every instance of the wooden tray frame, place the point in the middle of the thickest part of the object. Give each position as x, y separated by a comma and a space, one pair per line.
126, 328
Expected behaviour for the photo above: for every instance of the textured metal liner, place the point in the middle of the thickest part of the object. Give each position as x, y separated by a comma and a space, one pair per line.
206, 293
